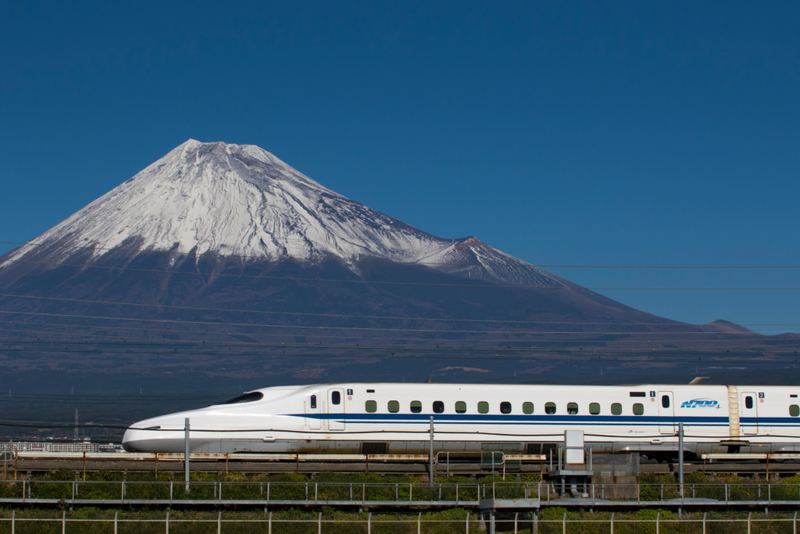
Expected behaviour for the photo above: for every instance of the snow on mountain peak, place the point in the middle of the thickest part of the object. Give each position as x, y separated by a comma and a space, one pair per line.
240, 200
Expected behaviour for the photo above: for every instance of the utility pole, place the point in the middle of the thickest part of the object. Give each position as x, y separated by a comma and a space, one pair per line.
680, 459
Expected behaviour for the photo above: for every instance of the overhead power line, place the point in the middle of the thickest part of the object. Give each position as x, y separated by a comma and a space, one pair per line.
263, 325
271, 312
474, 284
369, 351
521, 263
453, 342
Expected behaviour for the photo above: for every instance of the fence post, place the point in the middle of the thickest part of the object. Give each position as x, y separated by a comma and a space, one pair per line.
419, 523
658, 517
467, 522
704, 522
612, 522
515, 522
269, 524
115, 522
186, 452
167, 522
219, 523
749, 515
319, 523
14, 521
564, 523
63, 522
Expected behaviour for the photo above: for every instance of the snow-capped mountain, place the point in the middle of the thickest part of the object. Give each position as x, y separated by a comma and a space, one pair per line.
242, 201
224, 260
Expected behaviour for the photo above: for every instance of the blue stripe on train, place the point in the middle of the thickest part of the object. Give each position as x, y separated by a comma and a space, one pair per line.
511, 419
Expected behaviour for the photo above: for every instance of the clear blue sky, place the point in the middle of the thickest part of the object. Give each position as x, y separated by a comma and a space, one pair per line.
581, 133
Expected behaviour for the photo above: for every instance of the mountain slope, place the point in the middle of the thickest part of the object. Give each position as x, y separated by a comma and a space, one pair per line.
223, 259
232, 200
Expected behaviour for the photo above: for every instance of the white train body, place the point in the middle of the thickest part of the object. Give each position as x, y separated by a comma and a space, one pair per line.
396, 419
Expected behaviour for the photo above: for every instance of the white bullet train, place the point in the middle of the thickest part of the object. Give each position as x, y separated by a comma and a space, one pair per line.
396, 419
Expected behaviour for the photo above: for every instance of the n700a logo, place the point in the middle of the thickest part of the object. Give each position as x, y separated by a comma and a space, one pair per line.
700, 403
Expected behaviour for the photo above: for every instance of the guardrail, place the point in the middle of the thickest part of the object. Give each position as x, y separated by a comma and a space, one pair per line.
439, 494
417, 523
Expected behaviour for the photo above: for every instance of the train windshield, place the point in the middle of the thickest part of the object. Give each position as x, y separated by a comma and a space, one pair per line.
240, 399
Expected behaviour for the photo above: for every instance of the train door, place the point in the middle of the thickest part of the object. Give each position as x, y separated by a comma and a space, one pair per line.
748, 406
313, 411
666, 412
336, 415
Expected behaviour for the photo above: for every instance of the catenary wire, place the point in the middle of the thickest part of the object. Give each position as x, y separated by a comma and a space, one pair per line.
764, 339
493, 354
171, 344
453, 342
475, 285
113, 318
339, 260
271, 312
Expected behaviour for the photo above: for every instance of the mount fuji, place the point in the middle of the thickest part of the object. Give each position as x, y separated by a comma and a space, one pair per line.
241, 201
226, 245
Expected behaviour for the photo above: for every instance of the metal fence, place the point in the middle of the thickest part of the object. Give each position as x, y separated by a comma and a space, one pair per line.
418, 523
390, 494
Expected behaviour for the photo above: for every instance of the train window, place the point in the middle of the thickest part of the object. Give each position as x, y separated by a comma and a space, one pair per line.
665, 401
313, 401
748, 403
461, 407
594, 408
336, 397
371, 406
550, 408
483, 407
638, 409
616, 409
247, 397
505, 407
438, 407
638, 394
572, 408
527, 408
794, 410
416, 406
393, 406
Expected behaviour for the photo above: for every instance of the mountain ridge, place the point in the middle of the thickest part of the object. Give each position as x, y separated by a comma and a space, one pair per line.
240, 200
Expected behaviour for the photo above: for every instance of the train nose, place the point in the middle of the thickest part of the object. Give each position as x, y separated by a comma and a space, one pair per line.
141, 439
160, 434
130, 439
